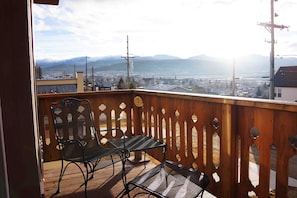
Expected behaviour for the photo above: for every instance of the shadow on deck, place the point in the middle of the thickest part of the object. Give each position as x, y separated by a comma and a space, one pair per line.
104, 184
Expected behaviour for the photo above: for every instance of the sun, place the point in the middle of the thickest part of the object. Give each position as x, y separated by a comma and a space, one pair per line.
233, 32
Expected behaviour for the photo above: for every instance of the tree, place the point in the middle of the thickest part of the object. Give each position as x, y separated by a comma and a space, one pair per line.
121, 84
38, 71
132, 85
259, 93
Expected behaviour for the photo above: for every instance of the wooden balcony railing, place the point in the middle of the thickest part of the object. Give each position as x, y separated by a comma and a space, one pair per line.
223, 136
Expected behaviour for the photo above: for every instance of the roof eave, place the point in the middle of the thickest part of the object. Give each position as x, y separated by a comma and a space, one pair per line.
51, 2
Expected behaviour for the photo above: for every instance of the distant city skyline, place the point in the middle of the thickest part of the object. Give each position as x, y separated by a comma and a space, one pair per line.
183, 28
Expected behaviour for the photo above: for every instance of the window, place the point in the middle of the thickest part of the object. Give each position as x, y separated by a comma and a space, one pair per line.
279, 93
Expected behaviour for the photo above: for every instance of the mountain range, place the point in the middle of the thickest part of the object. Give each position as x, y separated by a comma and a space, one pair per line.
166, 66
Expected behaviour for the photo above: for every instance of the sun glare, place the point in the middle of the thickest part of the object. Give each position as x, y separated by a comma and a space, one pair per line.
186, 28
233, 31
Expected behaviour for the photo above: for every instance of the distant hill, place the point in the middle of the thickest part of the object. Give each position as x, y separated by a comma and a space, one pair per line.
167, 66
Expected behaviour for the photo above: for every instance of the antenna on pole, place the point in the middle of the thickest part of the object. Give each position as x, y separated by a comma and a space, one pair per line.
270, 28
127, 58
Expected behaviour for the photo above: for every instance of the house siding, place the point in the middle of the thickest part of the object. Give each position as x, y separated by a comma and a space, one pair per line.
287, 94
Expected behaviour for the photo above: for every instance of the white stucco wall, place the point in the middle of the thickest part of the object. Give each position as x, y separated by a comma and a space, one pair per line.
287, 94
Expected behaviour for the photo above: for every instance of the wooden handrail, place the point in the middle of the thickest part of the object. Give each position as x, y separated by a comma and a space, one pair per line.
211, 133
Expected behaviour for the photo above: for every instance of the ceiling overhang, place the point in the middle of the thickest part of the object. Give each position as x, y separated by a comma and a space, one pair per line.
52, 2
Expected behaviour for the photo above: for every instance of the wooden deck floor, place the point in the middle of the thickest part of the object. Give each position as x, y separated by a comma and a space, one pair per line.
104, 184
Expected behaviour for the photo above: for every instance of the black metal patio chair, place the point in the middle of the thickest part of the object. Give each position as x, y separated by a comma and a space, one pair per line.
170, 179
139, 142
77, 138
136, 143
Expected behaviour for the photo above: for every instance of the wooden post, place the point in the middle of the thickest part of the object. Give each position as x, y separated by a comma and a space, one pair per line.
228, 162
18, 100
138, 106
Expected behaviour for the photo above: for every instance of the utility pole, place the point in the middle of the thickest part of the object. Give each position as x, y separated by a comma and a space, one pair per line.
127, 58
93, 79
270, 28
233, 78
86, 83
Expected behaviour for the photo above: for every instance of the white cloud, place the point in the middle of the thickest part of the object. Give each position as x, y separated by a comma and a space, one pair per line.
176, 27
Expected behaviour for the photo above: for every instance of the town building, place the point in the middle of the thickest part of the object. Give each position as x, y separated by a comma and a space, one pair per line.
285, 83
61, 85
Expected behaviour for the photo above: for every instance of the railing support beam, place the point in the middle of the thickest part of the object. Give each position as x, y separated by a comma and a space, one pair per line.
228, 168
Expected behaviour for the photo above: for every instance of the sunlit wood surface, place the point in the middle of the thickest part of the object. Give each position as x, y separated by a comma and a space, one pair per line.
104, 184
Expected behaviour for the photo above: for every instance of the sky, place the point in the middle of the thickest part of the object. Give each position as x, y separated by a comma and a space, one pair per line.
182, 28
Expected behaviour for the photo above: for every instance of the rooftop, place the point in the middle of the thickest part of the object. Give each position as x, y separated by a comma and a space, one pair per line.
286, 77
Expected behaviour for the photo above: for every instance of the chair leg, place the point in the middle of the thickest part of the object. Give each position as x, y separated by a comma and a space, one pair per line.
90, 168
60, 176
202, 193
112, 165
86, 184
124, 156
62, 172
144, 160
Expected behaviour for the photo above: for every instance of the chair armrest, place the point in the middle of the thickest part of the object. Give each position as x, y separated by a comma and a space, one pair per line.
196, 176
116, 129
111, 129
67, 142
68, 146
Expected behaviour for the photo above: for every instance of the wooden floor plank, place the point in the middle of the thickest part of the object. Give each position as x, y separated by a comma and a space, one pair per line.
104, 184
